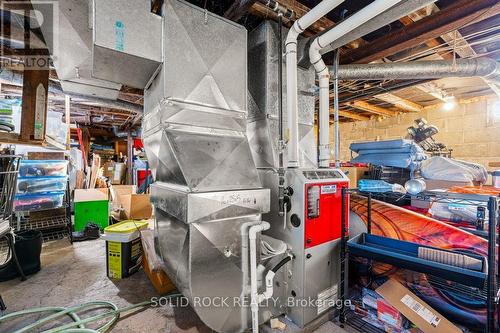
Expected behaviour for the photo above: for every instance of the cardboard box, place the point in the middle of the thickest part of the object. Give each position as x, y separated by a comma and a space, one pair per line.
160, 280
119, 173
136, 206
115, 172
109, 170
355, 174
91, 206
415, 309
132, 206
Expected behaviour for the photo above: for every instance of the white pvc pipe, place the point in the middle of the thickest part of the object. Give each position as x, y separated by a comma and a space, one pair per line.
244, 265
254, 293
362, 16
298, 27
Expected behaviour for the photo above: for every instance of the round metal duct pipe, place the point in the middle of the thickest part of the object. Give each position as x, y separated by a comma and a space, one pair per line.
482, 67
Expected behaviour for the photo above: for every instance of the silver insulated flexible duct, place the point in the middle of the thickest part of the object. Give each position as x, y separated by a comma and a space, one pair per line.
207, 190
483, 67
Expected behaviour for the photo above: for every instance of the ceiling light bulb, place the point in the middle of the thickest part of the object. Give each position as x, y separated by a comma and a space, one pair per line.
448, 106
450, 103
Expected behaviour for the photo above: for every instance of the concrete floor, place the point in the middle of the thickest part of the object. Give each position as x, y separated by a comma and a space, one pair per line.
75, 274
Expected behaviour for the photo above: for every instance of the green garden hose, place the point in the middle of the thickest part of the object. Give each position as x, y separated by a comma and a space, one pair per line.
78, 324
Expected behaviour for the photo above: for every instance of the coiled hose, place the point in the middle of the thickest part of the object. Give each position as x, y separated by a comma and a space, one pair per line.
78, 324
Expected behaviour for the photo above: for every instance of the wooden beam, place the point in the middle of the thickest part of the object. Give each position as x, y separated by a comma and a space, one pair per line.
67, 115
351, 115
455, 16
431, 43
432, 89
368, 107
130, 158
459, 44
34, 104
400, 102
299, 9
156, 6
238, 9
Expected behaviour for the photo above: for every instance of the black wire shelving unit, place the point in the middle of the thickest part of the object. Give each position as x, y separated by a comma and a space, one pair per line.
53, 227
489, 293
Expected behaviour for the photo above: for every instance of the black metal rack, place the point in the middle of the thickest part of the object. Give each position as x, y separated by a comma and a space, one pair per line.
491, 294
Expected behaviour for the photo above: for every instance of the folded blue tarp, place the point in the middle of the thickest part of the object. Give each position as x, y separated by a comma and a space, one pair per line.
399, 153
387, 144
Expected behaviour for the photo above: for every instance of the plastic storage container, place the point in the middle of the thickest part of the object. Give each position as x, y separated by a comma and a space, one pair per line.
40, 168
123, 248
38, 201
31, 185
496, 178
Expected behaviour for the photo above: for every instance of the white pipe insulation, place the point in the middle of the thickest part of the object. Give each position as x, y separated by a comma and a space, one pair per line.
298, 27
254, 292
359, 18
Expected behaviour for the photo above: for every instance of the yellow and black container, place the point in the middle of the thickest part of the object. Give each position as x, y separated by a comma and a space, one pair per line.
123, 248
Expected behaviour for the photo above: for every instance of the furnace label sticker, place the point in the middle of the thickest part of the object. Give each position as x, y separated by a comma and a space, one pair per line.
421, 310
119, 36
328, 189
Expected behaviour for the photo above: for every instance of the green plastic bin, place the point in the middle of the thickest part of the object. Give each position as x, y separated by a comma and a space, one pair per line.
91, 206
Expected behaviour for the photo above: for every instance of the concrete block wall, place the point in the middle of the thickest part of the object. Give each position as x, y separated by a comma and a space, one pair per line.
471, 130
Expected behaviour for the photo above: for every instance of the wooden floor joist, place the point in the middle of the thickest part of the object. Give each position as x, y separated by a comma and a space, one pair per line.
375, 109
238, 9
455, 16
402, 103
351, 115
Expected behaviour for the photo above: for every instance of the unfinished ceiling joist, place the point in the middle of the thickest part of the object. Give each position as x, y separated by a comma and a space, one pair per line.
432, 89
238, 9
455, 16
400, 102
351, 115
368, 107
299, 9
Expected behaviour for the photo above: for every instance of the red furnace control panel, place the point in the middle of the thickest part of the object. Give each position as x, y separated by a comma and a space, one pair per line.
323, 203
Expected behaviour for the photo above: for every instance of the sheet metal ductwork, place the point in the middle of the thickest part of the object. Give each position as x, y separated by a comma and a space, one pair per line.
207, 188
263, 84
98, 45
482, 67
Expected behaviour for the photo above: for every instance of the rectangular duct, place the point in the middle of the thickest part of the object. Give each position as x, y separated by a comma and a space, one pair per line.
194, 125
127, 45
263, 101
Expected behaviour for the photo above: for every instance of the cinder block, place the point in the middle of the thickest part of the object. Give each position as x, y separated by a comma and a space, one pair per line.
435, 114
494, 150
482, 135
450, 138
470, 150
